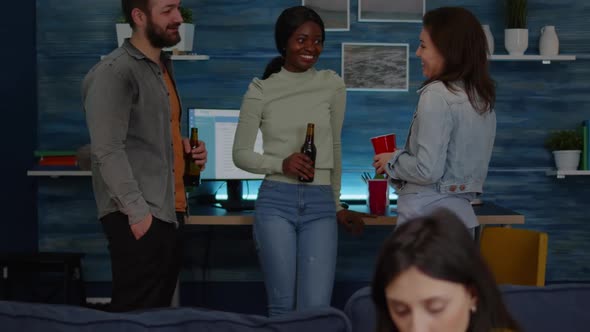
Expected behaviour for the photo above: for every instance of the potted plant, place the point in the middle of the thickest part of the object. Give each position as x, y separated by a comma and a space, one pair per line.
516, 34
186, 30
566, 146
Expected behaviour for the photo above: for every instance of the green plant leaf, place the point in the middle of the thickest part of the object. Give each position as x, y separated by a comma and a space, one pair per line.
516, 14
186, 13
564, 140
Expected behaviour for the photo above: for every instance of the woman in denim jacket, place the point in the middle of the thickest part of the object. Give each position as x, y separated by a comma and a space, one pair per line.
445, 160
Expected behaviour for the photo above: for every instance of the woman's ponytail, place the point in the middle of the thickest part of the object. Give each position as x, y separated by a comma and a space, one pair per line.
274, 66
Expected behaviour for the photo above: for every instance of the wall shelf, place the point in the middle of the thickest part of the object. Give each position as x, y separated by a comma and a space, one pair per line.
563, 174
58, 173
532, 57
190, 57
185, 57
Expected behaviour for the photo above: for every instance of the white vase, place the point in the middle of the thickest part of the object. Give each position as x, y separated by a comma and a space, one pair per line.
516, 41
567, 160
123, 31
548, 42
489, 38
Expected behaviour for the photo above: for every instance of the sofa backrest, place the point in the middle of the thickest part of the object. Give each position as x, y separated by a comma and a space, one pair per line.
361, 311
15, 316
551, 308
538, 309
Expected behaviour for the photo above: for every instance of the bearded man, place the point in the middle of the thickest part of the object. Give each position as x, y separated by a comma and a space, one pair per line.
133, 114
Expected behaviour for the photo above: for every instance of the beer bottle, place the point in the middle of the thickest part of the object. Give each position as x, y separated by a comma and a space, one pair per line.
309, 149
192, 171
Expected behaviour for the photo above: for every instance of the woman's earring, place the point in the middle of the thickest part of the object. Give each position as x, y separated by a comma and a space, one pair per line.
473, 309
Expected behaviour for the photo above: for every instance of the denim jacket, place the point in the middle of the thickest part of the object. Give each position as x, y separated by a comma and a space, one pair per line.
448, 147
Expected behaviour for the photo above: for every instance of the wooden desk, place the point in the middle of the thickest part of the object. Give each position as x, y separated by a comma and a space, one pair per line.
488, 214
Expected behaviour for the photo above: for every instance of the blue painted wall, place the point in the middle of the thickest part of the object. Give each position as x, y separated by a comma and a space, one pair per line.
238, 35
18, 225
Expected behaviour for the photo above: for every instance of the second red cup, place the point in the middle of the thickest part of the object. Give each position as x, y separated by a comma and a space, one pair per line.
383, 143
378, 196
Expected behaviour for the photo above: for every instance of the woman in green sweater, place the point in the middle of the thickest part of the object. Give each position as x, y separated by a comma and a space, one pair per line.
295, 228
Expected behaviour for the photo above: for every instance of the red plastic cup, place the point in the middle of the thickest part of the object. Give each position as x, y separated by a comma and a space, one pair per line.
378, 196
383, 143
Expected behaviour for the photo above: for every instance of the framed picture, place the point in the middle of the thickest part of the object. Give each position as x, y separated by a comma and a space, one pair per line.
334, 13
375, 66
391, 10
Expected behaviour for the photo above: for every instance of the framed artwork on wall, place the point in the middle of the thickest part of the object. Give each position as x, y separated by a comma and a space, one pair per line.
375, 66
334, 13
391, 10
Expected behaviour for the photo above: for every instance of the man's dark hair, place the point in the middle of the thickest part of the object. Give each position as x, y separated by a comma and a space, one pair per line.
128, 5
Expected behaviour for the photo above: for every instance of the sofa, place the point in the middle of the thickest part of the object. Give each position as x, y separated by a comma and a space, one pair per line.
550, 308
558, 307
20, 316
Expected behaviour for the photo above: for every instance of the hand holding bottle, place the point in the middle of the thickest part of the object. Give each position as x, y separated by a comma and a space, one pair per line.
195, 158
199, 154
298, 165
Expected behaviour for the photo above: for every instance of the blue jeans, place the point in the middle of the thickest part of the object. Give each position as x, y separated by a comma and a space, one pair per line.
296, 237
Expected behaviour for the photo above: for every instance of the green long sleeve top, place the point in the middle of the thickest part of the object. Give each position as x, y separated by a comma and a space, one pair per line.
281, 106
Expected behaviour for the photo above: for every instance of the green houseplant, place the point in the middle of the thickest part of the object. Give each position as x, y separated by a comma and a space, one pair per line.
516, 14
516, 34
187, 15
566, 146
185, 12
186, 30
564, 140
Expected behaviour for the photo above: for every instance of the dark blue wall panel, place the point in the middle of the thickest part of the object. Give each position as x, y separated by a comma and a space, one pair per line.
238, 35
18, 230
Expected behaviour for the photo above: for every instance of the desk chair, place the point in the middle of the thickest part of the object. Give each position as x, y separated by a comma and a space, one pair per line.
515, 256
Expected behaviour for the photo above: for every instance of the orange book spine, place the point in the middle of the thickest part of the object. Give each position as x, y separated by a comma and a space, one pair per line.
58, 161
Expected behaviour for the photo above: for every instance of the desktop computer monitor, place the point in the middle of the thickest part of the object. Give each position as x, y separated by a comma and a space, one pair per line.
217, 128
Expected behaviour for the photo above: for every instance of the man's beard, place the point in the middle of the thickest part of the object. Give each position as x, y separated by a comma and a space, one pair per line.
158, 37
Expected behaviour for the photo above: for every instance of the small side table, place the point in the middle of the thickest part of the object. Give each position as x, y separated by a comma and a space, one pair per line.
69, 264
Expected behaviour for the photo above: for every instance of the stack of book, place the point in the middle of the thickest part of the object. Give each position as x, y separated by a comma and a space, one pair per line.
57, 158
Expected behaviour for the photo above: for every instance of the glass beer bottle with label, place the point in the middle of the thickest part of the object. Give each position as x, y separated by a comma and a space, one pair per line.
308, 148
192, 171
